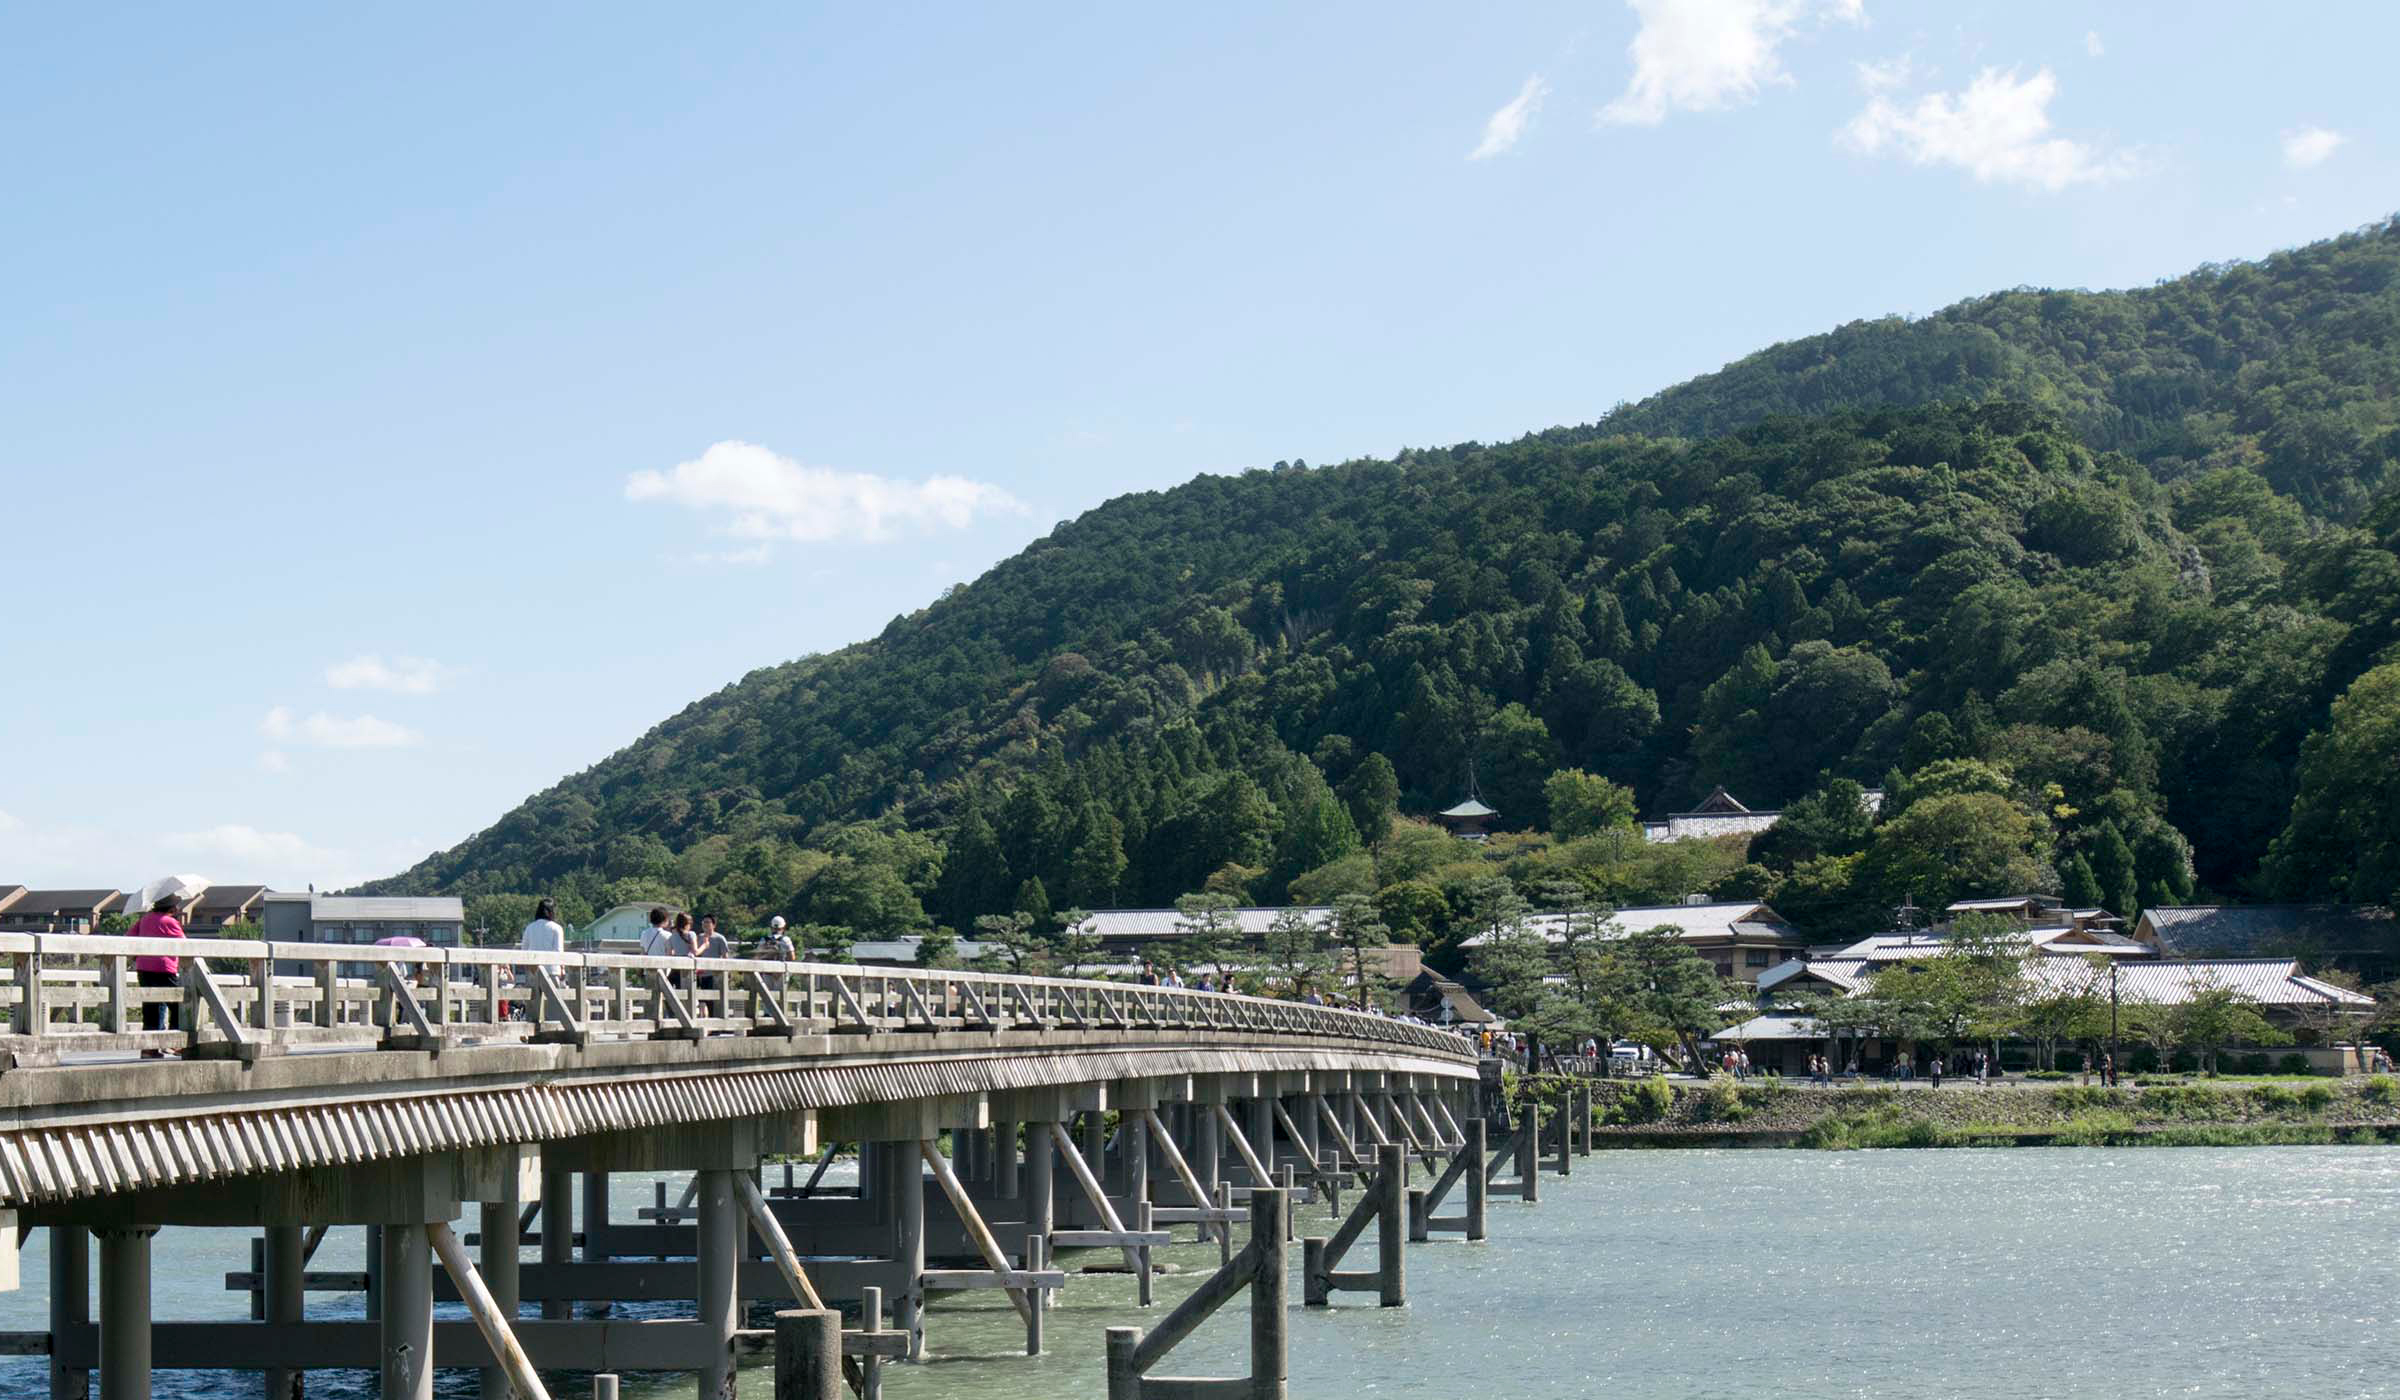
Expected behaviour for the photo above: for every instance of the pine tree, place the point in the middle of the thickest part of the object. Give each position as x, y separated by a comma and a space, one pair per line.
1096, 867
1034, 902
1372, 795
975, 876
2077, 885
2112, 871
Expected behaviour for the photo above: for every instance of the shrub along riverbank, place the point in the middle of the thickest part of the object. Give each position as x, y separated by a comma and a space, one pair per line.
2198, 1113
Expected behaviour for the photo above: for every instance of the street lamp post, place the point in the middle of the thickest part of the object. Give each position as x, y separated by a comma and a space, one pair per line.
2112, 1022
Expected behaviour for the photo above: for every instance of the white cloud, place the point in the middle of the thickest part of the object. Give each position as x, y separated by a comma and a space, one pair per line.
248, 846
275, 761
1509, 123
2092, 44
1889, 75
334, 732
768, 496
406, 675
1702, 55
9, 822
1997, 130
2310, 145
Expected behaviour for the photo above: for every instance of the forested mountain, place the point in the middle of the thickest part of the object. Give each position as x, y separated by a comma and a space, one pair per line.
2288, 366
2082, 632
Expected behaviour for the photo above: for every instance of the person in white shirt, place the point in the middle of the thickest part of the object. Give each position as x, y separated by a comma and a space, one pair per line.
779, 942
654, 939
545, 934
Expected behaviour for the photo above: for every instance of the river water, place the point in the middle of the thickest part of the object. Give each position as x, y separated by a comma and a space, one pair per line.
2006, 1273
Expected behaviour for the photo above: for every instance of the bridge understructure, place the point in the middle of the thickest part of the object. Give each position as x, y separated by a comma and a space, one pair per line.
464, 1105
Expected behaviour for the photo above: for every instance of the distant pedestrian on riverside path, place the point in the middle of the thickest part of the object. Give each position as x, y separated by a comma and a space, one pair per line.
1934, 1071
158, 969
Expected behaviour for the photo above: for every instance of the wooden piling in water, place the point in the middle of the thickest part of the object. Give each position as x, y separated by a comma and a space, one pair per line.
808, 1354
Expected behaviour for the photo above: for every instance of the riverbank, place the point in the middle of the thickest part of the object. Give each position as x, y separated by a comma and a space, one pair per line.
1769, 1113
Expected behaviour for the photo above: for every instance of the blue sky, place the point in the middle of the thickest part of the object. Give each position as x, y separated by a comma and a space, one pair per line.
403, 408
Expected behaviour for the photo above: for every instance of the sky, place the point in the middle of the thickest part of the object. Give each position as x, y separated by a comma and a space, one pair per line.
402, 408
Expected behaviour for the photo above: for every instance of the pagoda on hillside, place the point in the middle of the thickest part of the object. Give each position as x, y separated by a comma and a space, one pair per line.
1466, 820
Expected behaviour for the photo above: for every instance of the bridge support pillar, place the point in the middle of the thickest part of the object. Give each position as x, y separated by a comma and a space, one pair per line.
558, 1231
906, 1173
70, 1304
1529, 1153
1133, 1131
286, 1299
1041, 1194
406, 1351
721, 1242
595, 1229
501, 1238
125, 1311
1004, 1144
372, 1237
1262, 1137
1479, 1181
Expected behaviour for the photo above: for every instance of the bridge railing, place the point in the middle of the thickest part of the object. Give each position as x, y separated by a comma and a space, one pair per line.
80, 994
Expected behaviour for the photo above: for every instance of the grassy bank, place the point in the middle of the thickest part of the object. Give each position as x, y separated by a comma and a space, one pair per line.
2202, 1113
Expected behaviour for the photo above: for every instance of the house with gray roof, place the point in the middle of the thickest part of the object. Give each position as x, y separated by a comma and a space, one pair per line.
1722, 814
1741, 938
60, 911
2275, 987
219, 905
2362, 936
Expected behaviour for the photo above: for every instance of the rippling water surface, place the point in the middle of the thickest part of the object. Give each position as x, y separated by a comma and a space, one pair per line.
2010, 1274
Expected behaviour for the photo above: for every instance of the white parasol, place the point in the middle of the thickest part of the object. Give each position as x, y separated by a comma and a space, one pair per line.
185, 888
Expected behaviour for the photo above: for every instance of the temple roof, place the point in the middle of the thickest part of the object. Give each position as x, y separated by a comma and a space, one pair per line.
1471, 808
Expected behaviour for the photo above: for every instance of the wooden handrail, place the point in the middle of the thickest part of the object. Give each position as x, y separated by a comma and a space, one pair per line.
454, 993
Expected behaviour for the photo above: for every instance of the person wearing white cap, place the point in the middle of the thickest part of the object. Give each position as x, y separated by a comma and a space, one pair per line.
779, 943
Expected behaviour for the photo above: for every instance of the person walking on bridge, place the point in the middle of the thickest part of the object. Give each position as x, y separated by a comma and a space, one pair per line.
545, 934
158, 969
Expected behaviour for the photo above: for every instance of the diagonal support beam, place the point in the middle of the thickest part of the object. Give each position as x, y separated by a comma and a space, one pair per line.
960, 1201
1333, 1123
779, 1244
1458, 1134
1241, 1145
404, 998
489, 1320
550, 993
669, 1001
1082, 1171
1176, 1163
1368, 1115
764, 998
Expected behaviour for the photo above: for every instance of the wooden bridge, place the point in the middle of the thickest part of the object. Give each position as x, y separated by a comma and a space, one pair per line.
996, 1119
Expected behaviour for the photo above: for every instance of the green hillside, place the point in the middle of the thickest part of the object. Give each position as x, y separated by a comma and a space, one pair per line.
2083, 634
2288, 367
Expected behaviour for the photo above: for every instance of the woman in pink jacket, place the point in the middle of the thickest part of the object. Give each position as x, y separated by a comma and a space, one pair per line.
157, 970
